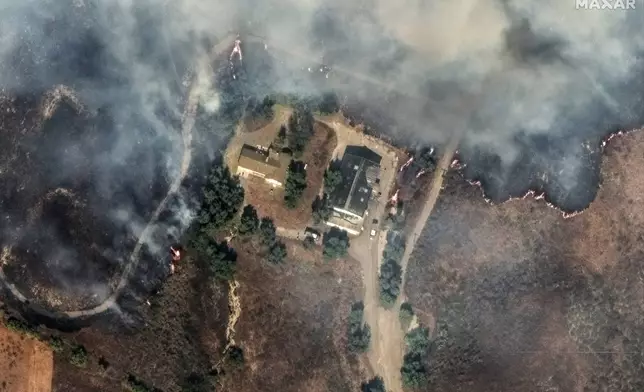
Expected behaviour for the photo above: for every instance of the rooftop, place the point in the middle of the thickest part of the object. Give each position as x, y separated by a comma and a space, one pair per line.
273, 165
360, 168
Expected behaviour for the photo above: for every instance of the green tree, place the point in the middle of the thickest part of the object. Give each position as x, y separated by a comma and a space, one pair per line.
277, 253
295, 184
222, 199
137, 385
358, 333
267, 231
308, 242
322, 209
260, 109
390, 280
406, 314
219, 258
332, 179
196, 382
78, 356
57, 344
335, 244
414, 372
300, 129
249, 221
374, 385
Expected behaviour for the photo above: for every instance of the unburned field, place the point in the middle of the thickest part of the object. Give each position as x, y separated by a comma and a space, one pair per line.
294, 321
526, 300
26, 364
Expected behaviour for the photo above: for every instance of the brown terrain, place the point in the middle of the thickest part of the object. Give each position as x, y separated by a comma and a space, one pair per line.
26, 364
526, 300
294, 321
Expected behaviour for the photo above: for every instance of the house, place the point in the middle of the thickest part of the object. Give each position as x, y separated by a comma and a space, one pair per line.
266, 163
360, 169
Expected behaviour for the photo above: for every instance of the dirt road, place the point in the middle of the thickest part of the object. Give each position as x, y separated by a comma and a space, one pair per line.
387, 337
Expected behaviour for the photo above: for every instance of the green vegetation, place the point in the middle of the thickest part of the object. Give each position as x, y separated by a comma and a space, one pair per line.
222, 260
249, 221
308, 242
424, 159
359, 333
295, 184
335, 244
300, 129
374, 385
332, 178
267, 231
79, 356
322, 209
260, 109
414, 372
223, 197
390, 277
19, 326
406, 314
277, 253
57, 344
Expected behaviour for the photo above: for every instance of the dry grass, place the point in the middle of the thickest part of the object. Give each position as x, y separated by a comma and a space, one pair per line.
551, 304
270, 202
26, 365
293, 323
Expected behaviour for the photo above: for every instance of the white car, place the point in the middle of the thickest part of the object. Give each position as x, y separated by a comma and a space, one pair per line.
372, 234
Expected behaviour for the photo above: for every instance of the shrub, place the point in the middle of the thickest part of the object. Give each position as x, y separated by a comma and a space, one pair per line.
277, 253
308, 242
19, 326
358, 334
406, 314
196, 383
79, 356
335, 244
260, 109
249, 221
57, 344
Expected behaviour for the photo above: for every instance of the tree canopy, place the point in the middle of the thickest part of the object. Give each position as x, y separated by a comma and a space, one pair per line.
260, 109
277, 253
222, 198
358, 333
332, 179
267, 231
335, 244
322, 209
249, 221
390, 277
374, 385
414, 372
295, 184
300, 129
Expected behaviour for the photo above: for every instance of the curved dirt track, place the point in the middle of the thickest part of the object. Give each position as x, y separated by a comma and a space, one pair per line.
187, 123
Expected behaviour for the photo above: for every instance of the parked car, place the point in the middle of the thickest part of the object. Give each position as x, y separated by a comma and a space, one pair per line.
372, 234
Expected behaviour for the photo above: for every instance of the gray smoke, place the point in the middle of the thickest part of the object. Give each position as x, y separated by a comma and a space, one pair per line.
515, 76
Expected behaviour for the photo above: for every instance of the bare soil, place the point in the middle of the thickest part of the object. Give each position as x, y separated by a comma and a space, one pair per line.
527, 300
26, 365
294, 321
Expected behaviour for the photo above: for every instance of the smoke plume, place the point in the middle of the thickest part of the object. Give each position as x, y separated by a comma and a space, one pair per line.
528, 83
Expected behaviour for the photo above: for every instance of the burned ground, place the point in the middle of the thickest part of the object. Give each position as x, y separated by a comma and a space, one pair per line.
527, 300
293, 323
180, 333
